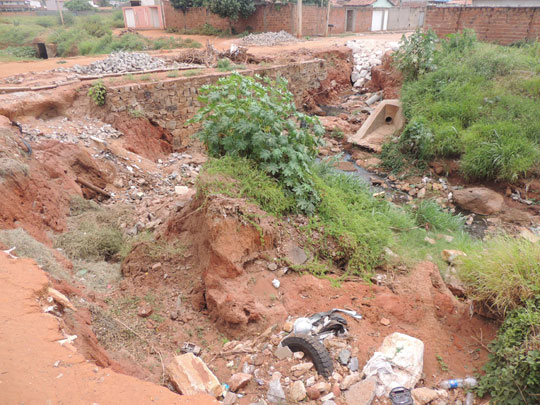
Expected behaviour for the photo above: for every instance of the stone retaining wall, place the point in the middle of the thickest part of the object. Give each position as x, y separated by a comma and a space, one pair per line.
170, 103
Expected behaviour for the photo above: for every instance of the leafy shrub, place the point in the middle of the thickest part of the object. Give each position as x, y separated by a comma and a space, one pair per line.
416, 140
95, 26
256, 118
78, 5
513, 370
232, 9
98, 93
23, 52
416, 54
460, 41
504, 275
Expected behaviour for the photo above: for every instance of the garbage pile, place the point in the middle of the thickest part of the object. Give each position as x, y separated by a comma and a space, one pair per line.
268, 38
367, 54
311, 359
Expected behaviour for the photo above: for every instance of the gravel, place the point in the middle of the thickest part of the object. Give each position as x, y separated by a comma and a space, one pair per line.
268, 38
123, 62
367, 54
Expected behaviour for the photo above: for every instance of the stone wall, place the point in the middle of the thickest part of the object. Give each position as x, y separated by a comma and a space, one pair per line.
503, 25
170, 103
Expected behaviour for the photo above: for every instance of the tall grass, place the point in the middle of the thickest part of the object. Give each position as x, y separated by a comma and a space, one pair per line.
504, 274
480, 104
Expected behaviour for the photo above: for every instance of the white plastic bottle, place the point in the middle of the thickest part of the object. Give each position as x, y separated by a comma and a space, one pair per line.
458, 383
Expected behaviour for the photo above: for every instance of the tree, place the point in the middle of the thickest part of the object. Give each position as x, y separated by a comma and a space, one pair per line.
78, 5
232, 9
185, 4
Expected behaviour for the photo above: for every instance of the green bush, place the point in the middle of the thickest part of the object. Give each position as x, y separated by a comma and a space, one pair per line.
479, 105
78, 5
513, 369
256, 118
95, 26
504, 275
98, 93
416, 54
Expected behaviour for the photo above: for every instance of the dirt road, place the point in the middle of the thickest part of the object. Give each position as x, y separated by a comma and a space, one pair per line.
36, 369
13, 68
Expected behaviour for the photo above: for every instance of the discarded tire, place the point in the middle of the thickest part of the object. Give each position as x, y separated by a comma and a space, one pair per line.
313, 348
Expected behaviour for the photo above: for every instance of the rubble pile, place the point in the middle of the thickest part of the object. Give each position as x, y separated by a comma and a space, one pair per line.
366, 55
268, 38
124, 62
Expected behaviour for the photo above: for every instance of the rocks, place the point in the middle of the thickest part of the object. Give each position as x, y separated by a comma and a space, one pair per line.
297, 391
425, 395
268, 38
480, 200
230, 399
353, 364
283, 352
450, 255
301, 369
189, 375
295, 254
398, 362
349, 380
366, 55
344, 356
239, 380
123, 62
144, 310
275, 392
313, 393
361, 393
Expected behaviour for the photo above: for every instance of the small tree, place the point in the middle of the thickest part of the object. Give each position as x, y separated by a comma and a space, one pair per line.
232, 9
78, 5
185, 4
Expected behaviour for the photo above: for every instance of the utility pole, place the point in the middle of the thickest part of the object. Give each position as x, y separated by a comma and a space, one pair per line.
59, 7
327, 18
299, 12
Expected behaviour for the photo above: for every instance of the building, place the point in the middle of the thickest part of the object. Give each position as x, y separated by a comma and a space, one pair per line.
14, 5
506, 3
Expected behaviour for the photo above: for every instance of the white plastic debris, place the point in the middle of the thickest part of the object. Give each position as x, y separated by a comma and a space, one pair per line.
276, 283
8, 252
398, 363
302, 325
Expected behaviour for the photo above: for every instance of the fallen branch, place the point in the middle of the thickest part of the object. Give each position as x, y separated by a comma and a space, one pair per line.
92, 187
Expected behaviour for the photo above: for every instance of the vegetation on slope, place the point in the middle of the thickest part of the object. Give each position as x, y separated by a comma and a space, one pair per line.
470, 100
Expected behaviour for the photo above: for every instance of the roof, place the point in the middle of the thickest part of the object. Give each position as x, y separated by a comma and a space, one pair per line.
358, 3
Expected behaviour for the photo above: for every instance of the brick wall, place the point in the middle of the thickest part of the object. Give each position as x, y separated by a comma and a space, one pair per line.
503, 25
170, 103
270, 17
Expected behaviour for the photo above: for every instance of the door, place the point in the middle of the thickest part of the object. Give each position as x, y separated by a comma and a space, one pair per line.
154, 17
350, 18
130, 17
379, 20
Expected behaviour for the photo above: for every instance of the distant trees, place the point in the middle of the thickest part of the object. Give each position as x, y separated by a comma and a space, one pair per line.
78, 5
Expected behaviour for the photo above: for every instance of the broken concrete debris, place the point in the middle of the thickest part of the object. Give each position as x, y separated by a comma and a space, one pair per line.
189, 375
268, 38
398, 362
367, 54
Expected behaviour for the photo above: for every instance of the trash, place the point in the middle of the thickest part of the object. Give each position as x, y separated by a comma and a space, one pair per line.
189, 375
398, 363
276, 283
469, 399
60, 298
8, 252
468, 382
313, 348
188, 347
302, 325
401, 396
68, 339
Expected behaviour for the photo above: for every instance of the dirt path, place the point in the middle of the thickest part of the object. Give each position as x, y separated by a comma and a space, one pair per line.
13, 68
30, 350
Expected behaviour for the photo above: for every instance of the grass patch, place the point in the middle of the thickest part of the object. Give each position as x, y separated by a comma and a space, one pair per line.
505, 274
27, 246
480, 105
247, 182
225, 65
192, 72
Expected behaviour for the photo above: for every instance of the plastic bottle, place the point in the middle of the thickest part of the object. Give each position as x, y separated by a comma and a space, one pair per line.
469, 400
458, 383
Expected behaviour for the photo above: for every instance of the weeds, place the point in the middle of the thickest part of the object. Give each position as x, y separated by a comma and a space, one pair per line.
174, 73
225, 65
480, 104
192, 72
513, 370
416, 54
505, 274
429, 215
98, 93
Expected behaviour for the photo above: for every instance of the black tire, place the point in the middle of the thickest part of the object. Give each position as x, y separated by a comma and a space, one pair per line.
313, 348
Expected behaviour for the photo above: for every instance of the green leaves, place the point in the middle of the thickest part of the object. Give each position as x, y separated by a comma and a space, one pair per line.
98, 93
416, 54
256, 118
